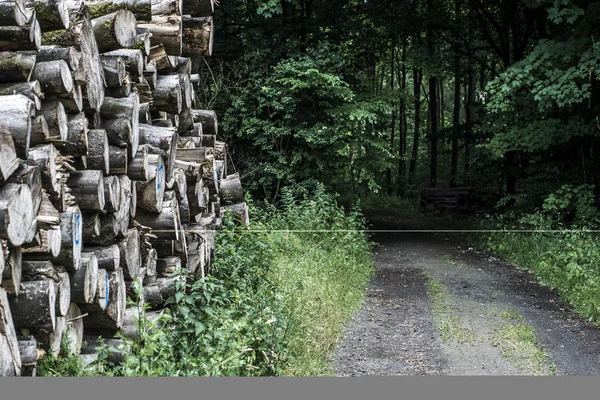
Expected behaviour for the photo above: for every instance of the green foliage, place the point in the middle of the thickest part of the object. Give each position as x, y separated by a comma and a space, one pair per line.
274, 302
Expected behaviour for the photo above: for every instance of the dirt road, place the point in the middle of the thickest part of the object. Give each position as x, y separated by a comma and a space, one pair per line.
436, 307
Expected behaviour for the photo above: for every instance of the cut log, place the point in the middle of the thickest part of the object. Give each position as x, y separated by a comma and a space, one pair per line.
102, 292
12, 274
240, 211
143, 40
197, 35
128, 192
145, 116
149, 262
56, 118
159, 57
15, 67
127, 108
88, 189
26, 37
30, 176
114, 70
107, 257
142, 9
118, 131
54, 77
10, 360
117, 348
74, 329
166, 30
91, 225
208, 118
80, 35
118, 159
111, 318
16, 212
73, 101
130, 259
98, 151
77, 140
150, 194
39, 131
112, 193
167, 96
16, 114
162, 141
8, 155
50, 338
63, 294
166, 7
35, 305
32, 90
48, 245
45, 158
29, 351
115, 30
71, 227
134, 60
132, 324
231, 192
68, 54
138, 168
52, 14
165, 225
84, 281
14, 13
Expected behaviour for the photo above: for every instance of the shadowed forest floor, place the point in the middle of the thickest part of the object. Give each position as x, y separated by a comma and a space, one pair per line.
437, 307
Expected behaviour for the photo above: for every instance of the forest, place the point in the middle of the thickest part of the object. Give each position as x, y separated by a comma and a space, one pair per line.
388, 97
471, 127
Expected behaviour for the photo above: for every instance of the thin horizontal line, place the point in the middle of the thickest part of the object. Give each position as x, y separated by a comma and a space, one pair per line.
397, 230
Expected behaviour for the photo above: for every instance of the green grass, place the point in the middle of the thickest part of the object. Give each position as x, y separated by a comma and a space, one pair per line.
321, 285
517, 343
450, 325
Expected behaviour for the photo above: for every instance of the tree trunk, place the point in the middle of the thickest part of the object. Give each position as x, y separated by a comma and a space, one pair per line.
208, 118
135, 62
71, 231
26, 37
455, 122
417, 80
54, 77
433, 130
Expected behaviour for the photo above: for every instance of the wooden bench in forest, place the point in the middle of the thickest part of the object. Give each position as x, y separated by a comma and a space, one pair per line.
452, 200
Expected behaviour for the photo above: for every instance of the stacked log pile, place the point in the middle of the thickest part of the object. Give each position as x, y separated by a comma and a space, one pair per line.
447, 200
109, 175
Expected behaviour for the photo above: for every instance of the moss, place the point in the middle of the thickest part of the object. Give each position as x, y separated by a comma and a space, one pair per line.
100, 9
54, 37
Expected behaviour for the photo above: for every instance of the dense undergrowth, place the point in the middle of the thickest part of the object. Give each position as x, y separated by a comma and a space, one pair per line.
274, 303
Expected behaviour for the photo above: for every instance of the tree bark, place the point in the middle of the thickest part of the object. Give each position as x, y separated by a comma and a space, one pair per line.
166, 30
418, 78
135, 62
98, 152
167, 96
111, 318
208, 118
118, 160
71, 229
26, 37
9, 349
127, 108
12, 274
56, 119
16, 114
52, 14
15, 67
35, 305
142, 9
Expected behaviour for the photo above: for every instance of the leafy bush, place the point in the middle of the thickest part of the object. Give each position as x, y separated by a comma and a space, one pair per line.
275, 301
